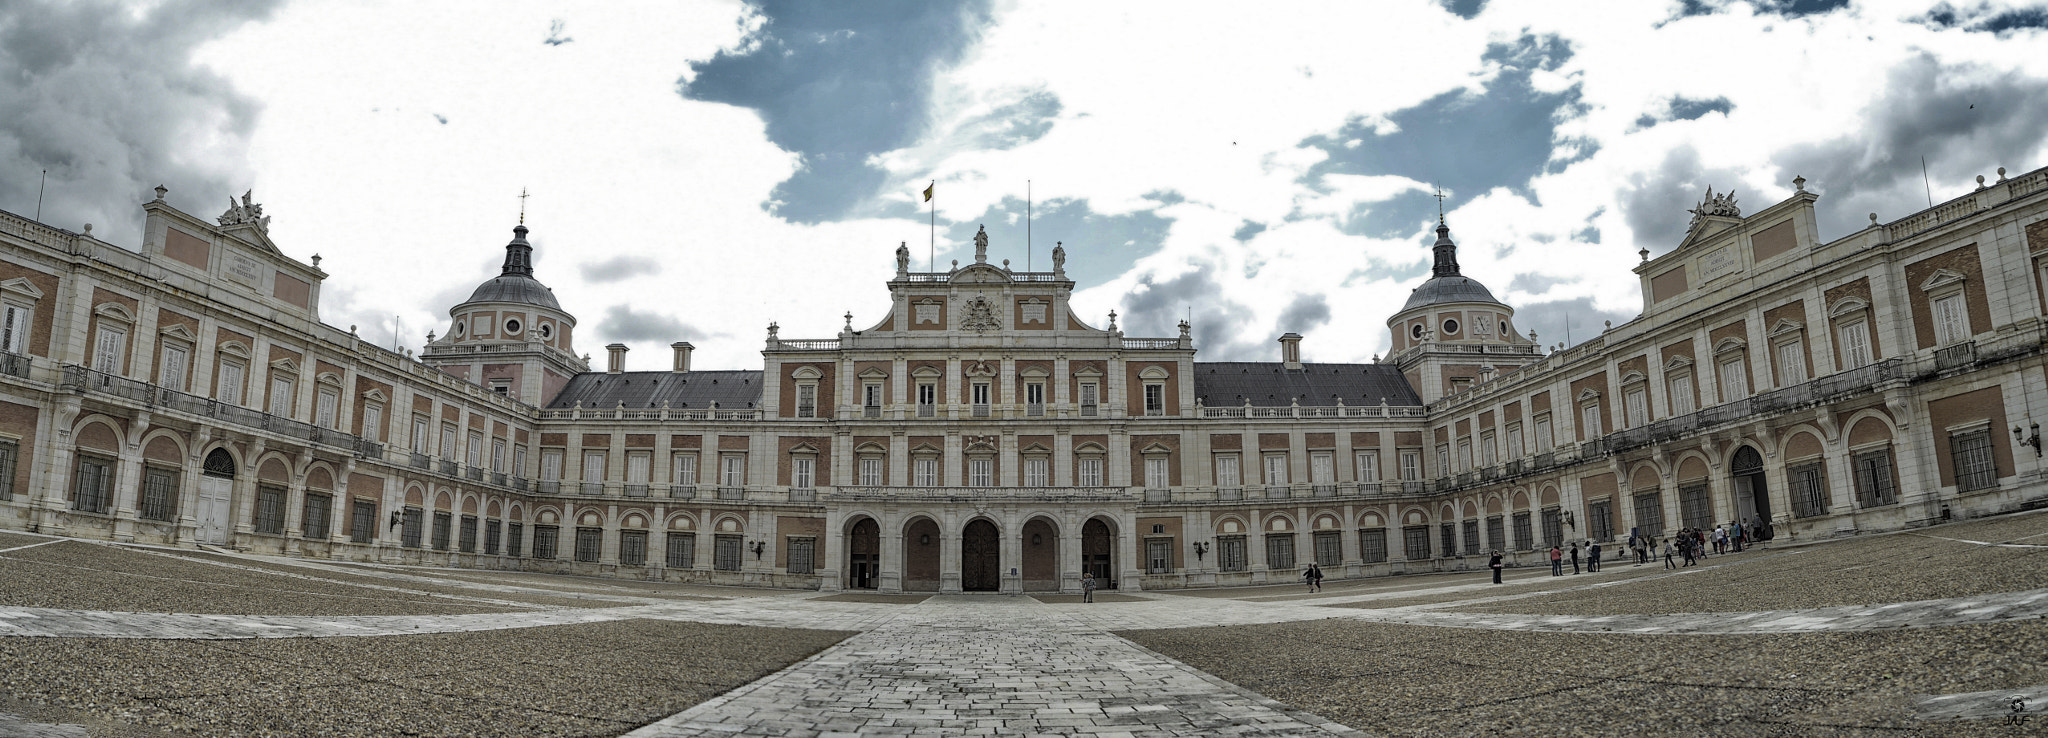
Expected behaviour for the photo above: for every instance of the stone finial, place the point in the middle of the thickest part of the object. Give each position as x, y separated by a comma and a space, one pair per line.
1980, 181
1645, 253
1799, 183
849, 321
773, 329
162, 190
316, 261
430, 336
1532, 335
2001, 174
1610, 324
88, 229
1112, 320
1185, 327
1873, 220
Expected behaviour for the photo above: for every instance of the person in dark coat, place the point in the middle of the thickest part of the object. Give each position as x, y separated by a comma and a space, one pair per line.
1495, 563
1575, 557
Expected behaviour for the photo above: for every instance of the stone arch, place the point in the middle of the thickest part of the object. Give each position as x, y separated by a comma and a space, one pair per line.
517, 514
1644, 478
1447, 513
1803, 443
1327, 520
1278, 522
492, 510
677, 521
98, 433
635, 519
415, 495
1692, 466
274, 468
1371, 519
591, 517
1415, 515
1232, 524
862, 532
1521, 501
319, 477
1868, 428
1039, 542
1548, 497
1493, 504
1470, 511
469, 504
922, 542
164, 446
443, 500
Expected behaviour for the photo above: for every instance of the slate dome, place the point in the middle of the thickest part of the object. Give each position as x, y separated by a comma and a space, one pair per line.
1446, 284
515, 284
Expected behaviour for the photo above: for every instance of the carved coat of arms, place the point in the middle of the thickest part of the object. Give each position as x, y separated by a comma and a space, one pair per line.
980, 316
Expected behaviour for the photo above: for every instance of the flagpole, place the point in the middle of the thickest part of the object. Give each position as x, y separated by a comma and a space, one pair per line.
1027, 225
932, 253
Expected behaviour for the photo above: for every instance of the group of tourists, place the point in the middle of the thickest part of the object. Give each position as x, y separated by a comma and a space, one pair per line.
1689, 546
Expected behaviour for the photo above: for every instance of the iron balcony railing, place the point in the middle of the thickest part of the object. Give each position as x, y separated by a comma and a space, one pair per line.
732, 493
550, 488
803, 494
474, 474
78, 378
1230, 493
446, 467
421, 461
15, 365
1961, 354
1155, 494
1324, 490
592, 489
636, 490
682, 491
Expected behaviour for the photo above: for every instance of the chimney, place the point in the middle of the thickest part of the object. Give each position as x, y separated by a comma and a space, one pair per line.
618, 360
1290, 350
682, 356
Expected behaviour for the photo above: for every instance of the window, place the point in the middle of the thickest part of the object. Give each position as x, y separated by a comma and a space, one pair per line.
589, 544
1322, 469
107, 353
1951, 321
91, 491
1415, 542
980, 397
1443, 460
1034, 399
803, 555
1088, 399
467, 543
1680, 394
871, 400
1486, 449
981, 472
159, 491
926, 471
514, 536
1590, 416
733, 470
1158, 556
494, 533
324, 406
1155, 399
172, 373
545, 541
1496, 534
1230, 553
1854, 336
1650, 514
1372, 545
475, 451
230, 390
633, 548
593, 471
1447, 538
1471, 529
318, 509
1368, 467
1525, 533
639, 466
684, 471
1037, 471
871, 471
14, 328
1637, 404
1602, 523
373, 421
1553, 527
1734, 386
551, 464
1280, 552
281, 395
1090, 473
1809, 490
502, 386
1975, 467
362, 524
1411, 466
409, 533
519, 461
1227, 473
1874, 478
448, 440
1464, 454
442, 523
1329, 548
682, 550
927, 399
270, 510
807, 400
419, 434
1515, 441
725, 553
1155, 472
1543, 437
1791, 363
803, 471
1695, 509
1276, 469
498, 458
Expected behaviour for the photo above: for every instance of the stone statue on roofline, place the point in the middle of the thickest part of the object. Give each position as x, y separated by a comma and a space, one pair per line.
245, 211
981, 245
1712, 204
1059, 259
903, 258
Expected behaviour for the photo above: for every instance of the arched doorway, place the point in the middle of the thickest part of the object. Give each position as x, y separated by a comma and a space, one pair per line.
1041, 556
981, 557
216, 498
1098, 552
1752, 498
863, 554
921, 556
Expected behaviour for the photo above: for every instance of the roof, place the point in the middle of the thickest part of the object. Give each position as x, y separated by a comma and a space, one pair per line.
730, 389
1271, 384
1439, 290
515, 283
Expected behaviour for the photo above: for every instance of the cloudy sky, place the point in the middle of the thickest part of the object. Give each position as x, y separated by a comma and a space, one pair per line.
700, 169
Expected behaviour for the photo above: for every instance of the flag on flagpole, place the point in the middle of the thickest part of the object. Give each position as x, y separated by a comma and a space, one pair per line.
928, 192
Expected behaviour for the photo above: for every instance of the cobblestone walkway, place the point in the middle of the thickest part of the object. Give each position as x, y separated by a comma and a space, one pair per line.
977, 666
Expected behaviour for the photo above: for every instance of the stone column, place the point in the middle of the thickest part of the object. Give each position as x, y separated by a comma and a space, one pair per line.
889, 559
1012, 552
1132, 577
949, 544
1070, 551
831, 570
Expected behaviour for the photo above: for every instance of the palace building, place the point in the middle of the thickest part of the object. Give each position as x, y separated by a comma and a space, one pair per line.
983, 437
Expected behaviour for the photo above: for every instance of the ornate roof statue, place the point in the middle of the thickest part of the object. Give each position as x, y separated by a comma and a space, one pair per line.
981, 245
1712, 204
245, 212
1059, 259
903, 258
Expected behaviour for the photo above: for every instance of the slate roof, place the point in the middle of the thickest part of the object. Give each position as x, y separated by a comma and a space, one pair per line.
515, 288
1439, 290
732, 390
1269, 384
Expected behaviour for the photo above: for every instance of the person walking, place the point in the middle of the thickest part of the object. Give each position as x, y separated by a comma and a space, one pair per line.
1575, 557
1736, 534
1556, 561
1593, 559
1720, 541
1667, 556
1495, 563
1308, 576
1087, 587
1315, 577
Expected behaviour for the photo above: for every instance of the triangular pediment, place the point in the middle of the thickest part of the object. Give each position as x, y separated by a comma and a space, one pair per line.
1708, 228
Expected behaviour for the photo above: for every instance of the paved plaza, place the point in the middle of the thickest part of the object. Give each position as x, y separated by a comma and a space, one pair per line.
1938, 631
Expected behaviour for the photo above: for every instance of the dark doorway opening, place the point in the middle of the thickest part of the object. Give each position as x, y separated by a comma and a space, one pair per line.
1752, 498
981, 557
863, 554
1098, 546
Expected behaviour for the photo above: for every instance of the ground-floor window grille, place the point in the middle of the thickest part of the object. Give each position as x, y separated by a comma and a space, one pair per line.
1415, 542
363, 522
1975, 467
1650, 514
1695, 507
409, 534
91, 493
10, 455
1230, 554
1874, 486
1809, 490
1280, 552
270, 510
444, 524
546, 540
319, 508
515, 535
1496, 533
159, 494
1372, 545
633, 548
1553, 528
725, 553
494, 532
1330, 548
1447, 538
1158, 556
1471, 537
682, 550
589, 544
468, 541
1525, 533
803, 555
1602, 513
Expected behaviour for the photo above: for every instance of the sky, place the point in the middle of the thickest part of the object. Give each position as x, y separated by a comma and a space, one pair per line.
698, 170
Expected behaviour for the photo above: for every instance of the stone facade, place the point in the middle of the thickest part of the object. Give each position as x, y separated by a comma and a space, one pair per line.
982, 437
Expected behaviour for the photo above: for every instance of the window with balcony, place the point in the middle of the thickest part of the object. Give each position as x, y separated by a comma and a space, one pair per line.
1680, 394
1951, 319
1636, 404
419, 434
1276, 469
281, 395
448, 440
1411, 465
1088, 399
1443, 460
803, 471
373, 422
1156, 472
925, 470
871, 470
1734, 379
551, 465
1322, 471
1088, 471
1791, 363
109, 349
927, 399
683, 469
807, 400
325, 402
177, 357
475, 452
871, 400
1853, 335
1034, 399
1544, 440
1037, 471
1514, 436
229, 387
1486, 449
639, 468
1464, 454
498, 455
1155, 399
1368, 467
979, 398
732, 471
1589, 419
15, 319
593, 472
981, 471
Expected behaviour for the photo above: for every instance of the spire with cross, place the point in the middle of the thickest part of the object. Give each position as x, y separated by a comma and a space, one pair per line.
1439, 204
522, 206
